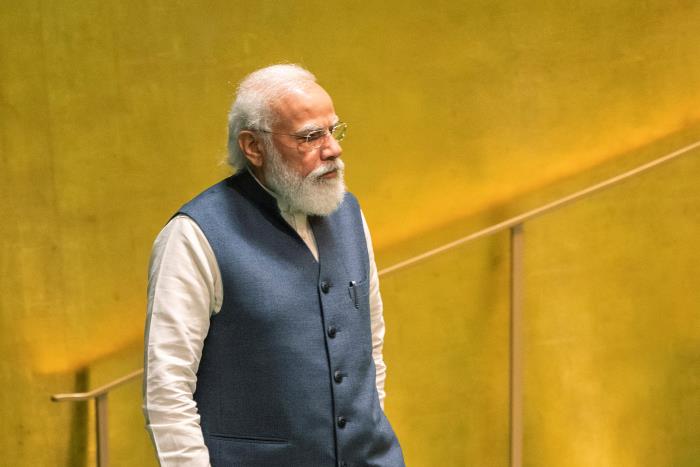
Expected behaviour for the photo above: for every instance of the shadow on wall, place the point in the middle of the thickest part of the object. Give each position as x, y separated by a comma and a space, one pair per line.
79, 423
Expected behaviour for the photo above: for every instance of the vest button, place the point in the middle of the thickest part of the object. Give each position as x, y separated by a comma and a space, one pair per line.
338, 376
325, 287
342, 422
331, 331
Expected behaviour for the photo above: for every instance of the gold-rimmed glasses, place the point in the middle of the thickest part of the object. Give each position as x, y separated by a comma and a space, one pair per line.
316, 138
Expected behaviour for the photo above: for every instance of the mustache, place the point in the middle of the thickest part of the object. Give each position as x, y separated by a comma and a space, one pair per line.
327, 167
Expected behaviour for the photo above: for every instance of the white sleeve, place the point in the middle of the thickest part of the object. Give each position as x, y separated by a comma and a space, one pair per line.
184, 288
376, 309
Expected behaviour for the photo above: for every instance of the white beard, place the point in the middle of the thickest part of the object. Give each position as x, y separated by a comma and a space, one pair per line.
311, 195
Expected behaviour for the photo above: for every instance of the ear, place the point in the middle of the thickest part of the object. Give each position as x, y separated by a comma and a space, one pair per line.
251, 146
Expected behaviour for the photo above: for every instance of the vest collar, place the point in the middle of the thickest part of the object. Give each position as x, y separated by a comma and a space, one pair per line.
249, 186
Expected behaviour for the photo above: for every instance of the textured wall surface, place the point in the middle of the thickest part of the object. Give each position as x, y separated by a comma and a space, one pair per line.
112, 113
613, 326
611, 336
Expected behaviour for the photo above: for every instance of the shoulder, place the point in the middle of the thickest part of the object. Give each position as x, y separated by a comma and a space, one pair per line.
211, 195
351, 201
348, 216
181, 233
347, 211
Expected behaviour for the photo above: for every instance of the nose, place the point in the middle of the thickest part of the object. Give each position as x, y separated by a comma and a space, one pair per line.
331, 148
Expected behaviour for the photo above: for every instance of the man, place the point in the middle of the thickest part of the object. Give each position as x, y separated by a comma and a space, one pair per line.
264, 332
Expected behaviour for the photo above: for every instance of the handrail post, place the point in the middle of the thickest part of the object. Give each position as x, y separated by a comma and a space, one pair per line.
516, 345
101, 426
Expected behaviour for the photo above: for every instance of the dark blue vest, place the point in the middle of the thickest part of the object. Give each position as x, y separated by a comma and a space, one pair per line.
286, 376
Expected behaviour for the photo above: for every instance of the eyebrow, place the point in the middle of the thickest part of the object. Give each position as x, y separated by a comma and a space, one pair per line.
308, 128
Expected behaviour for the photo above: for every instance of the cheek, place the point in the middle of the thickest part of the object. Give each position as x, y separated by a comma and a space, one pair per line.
307, 166
295, 162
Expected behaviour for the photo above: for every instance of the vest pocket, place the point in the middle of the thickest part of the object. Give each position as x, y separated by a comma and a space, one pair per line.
247, 451
358, 292
249, 439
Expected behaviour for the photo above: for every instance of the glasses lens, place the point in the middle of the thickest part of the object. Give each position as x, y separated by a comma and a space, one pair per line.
339, 131
313, 140
316, 139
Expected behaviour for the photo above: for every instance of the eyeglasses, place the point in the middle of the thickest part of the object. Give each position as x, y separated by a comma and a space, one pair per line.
316, 138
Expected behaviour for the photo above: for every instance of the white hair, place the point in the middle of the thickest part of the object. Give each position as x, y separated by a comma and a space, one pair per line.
252, 108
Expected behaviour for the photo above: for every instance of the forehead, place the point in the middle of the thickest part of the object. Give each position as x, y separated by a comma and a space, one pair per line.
305, 106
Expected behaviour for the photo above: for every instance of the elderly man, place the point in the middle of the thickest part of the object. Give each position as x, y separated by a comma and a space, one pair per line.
265, 330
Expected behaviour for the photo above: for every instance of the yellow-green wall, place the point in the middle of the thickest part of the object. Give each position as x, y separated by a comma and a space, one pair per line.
611, 332
112, 113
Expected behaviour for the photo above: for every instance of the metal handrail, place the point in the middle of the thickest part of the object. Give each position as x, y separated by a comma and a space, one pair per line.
84, 396
515, 224
101, 413
521, 218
